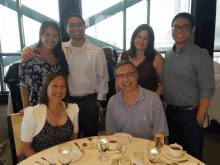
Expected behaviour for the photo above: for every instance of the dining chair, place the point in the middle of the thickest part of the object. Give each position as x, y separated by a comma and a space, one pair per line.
14, 132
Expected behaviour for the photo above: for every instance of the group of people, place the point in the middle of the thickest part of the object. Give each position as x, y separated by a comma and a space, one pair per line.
65, 82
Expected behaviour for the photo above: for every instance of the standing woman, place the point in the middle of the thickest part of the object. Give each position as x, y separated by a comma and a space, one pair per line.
52, 121
48, 58
149, 62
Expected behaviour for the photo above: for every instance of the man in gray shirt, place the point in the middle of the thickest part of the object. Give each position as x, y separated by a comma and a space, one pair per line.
134, 110
188, 87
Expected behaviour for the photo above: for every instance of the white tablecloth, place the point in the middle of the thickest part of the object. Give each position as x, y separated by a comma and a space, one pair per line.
91, 154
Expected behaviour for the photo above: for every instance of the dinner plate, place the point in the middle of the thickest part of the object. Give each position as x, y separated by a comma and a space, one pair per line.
129, 135
77, 154
182, 157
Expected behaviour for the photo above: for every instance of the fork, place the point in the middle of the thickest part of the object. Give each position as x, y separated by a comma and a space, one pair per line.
47, 161
79, 147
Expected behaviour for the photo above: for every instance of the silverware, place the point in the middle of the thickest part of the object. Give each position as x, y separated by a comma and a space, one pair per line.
47, 161
79, 147
39, 162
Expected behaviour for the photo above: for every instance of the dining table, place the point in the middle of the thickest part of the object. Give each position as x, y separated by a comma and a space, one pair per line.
90, 154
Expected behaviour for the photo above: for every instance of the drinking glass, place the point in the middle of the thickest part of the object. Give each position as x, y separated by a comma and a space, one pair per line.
65, 153
153, 152
159, 138
103, 144
123, 143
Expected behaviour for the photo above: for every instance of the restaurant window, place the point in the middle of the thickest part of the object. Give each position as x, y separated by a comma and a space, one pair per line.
216, 55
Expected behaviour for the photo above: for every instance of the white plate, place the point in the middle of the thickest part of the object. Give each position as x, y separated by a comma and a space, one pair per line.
129, 135
77, 154
183, 157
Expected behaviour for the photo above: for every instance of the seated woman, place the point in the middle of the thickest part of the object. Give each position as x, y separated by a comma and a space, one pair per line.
52, 121
149, 62
48, 58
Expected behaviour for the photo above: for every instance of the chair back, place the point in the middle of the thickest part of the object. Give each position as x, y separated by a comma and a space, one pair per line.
14, 132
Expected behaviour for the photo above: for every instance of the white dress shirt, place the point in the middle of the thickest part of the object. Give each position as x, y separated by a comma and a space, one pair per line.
88, 72
35, 118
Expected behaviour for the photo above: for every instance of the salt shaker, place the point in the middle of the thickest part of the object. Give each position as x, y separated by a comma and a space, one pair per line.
138, 158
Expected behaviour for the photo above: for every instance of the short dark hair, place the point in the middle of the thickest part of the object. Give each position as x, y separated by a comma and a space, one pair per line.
74, 15
57, 50
150, 52
108, 53
44, 99
187, 16
124, 62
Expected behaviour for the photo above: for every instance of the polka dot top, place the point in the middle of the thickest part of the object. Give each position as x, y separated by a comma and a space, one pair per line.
51, 135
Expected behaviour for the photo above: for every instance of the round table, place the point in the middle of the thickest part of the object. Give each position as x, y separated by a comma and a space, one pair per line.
89, 157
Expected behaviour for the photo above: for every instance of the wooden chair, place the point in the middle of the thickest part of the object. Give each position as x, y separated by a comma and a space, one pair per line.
14, 133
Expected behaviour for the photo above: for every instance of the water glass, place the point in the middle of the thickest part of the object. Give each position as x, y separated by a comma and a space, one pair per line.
138, 157
103, 144
123, 143
65, 153
153, 152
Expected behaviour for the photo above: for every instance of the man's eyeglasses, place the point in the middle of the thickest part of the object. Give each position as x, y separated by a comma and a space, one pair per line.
78, 25
183, 28
129, 74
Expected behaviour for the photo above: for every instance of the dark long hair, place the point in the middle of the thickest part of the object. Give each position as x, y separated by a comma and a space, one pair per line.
44, 99
57, 50
150, 52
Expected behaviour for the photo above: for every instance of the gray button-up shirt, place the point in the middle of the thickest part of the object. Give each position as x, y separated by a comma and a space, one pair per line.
188, 76
143, 120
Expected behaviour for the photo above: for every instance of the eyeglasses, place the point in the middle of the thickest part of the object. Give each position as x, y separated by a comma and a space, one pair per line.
183, 28
129, 74
79, 25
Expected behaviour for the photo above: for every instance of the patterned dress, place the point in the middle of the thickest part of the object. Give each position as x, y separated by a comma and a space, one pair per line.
32, 74
51, 136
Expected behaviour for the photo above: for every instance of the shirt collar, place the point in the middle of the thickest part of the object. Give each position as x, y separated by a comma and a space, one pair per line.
140, 98
183, 48
86, 46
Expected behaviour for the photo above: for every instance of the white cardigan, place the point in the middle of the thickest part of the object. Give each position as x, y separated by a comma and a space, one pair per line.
35, 118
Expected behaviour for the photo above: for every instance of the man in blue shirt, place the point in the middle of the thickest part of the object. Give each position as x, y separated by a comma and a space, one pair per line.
134, 110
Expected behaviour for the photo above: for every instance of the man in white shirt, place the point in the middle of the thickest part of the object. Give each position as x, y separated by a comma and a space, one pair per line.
88, 75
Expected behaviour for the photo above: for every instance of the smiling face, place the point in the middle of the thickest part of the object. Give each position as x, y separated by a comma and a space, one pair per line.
141, 40
50, 38
182, 37
126, 78
75, 28
56, 90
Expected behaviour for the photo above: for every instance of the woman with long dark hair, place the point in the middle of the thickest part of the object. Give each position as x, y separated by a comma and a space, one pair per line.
149, 62
48, 58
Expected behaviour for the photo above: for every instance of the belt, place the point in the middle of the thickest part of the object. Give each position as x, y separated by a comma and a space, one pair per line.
183, 108
82, 98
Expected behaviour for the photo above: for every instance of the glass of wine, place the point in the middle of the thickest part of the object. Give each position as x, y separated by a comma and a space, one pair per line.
65, 153
123, 143
103, 144
153, 152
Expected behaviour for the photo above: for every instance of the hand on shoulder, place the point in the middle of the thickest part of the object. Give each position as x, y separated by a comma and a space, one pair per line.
27, 54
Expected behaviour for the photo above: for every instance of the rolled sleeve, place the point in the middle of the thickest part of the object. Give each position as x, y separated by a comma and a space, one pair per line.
102, 75
206, 78
110, 124
28, 125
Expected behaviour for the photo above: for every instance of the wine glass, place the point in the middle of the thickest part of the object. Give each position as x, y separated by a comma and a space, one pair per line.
153, 152
65, 154
103, 144
123, 143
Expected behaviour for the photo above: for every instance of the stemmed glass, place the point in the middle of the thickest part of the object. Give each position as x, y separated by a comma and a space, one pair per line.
103, 144
153, 152
65, 154
123, 143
